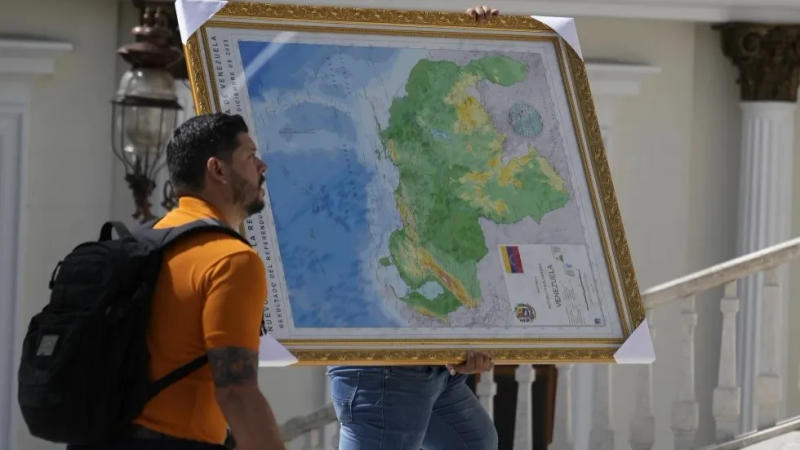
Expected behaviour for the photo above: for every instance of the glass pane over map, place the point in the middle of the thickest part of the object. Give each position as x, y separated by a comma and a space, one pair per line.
417, 188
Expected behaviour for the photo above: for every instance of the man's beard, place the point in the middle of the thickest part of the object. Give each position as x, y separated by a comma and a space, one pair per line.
254, 207
240, 189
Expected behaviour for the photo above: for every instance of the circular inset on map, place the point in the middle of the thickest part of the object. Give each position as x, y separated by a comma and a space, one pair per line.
525, 120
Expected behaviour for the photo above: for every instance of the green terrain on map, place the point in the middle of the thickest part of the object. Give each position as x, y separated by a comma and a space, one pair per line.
448, 154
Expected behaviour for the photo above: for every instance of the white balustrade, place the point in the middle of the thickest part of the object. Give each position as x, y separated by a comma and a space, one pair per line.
768, 383
720, 274
729, 396
315, 439
727, 400
310, 426
562, 428
525, 375
601, 436
643, 424
486, 388
685, 411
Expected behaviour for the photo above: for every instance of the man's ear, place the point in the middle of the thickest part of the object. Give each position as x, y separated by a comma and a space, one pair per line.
215, 168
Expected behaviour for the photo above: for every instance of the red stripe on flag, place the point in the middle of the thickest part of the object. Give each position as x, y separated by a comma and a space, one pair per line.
515, 259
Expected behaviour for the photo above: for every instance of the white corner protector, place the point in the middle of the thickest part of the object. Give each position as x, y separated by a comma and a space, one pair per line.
638, 348
192, 14
565, 27
272, 354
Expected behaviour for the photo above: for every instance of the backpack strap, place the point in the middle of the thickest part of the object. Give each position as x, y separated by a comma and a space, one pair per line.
170, 378
163, 238
108, 227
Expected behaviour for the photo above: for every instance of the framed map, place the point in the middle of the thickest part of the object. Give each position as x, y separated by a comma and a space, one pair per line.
434, 185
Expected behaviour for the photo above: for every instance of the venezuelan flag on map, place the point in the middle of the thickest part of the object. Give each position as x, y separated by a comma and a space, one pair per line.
511, 258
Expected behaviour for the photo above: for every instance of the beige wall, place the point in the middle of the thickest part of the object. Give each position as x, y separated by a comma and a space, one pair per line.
69, 159
652, 149
713, 202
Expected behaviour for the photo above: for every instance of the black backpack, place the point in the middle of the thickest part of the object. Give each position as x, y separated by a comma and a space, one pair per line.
83, 376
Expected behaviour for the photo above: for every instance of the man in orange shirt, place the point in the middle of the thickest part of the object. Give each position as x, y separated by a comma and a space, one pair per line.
209, 300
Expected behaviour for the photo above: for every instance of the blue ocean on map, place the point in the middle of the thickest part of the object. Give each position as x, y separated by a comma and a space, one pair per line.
318, 186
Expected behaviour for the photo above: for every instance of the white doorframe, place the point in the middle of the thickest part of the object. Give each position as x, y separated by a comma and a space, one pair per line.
13, 141
21, 60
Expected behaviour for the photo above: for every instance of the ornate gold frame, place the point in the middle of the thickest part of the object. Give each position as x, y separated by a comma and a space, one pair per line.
439, 24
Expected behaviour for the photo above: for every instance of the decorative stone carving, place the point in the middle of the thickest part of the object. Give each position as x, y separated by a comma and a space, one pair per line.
768, 58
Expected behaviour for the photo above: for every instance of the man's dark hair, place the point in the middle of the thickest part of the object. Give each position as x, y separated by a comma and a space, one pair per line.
196, 140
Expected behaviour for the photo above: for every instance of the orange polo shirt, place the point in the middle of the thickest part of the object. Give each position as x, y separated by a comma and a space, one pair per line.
210, 294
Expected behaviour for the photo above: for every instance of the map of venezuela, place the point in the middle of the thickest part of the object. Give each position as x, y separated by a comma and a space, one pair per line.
395, 176
451, 173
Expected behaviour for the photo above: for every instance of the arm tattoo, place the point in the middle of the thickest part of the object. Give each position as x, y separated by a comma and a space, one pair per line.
233, 366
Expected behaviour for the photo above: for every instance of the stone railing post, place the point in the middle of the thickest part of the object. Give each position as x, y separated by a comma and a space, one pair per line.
562, 429
685, 413
643, 424
727, 396
486, 390
768, 383
601, 436
523, 425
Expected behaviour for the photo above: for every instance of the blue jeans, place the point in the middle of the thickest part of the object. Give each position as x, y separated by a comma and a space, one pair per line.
408, 408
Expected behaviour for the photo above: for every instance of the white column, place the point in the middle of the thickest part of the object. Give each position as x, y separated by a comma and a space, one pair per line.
562, 428
21, 61
765, 212
768, 384
643, 423
525, 375
685, 413
601, 437
727, 396
486, 390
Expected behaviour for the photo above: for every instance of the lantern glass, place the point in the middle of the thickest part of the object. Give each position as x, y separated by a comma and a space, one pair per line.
145, 112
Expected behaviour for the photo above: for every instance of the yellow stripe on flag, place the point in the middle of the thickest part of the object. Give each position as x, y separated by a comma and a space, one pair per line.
506, 261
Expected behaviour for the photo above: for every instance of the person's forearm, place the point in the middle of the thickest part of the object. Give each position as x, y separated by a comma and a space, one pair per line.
250, 418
